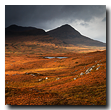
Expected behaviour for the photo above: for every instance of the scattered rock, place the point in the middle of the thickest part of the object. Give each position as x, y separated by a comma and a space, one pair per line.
32, 74
98, 68
38, 73
89, 69
81, 73
46, 78
86, 72
77, 76
74, 78
93, 66
7, 74
35, 89
57, 78
40, 80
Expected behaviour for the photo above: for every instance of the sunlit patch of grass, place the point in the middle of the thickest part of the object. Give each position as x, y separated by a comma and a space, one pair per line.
88, 89
43, 69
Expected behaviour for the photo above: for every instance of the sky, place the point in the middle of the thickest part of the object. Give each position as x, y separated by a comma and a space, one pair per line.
89, 20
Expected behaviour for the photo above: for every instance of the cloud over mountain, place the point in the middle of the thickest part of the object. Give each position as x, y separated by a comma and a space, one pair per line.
86, 18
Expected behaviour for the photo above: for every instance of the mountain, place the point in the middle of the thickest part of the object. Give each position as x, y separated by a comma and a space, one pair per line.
19, 30
62, 35
69, 35
15, 33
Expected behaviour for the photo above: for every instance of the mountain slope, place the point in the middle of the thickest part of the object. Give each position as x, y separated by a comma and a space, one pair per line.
69, 35
19, 30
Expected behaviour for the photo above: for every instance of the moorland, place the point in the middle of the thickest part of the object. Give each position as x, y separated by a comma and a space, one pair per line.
33, 79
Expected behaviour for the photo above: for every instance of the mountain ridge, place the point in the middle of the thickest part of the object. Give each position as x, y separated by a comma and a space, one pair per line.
69, 35
19, 30
65, 33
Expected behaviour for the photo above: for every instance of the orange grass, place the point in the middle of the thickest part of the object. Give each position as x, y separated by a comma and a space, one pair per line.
88, 89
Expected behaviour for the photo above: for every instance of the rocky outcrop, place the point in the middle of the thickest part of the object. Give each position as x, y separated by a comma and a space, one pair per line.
87, 71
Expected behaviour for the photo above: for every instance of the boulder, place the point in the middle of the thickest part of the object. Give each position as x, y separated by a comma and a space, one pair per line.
86, 72
81, 73
74, 78
40, 80
98, 68
32, 74
46, 78
93, 66
57, 78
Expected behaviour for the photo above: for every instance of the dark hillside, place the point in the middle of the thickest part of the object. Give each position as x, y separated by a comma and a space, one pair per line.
71, 36
19, 30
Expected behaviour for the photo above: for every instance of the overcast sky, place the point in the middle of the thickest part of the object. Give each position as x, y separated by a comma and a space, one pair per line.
89, 20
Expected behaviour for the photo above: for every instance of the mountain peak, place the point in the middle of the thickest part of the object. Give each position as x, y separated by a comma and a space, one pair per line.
64, 31
69, 35
13, 25
67, 26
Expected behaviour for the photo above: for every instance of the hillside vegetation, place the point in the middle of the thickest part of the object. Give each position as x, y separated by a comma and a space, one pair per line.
35, 80
31, 78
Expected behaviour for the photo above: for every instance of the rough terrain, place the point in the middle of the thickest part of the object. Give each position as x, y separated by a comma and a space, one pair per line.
35, 80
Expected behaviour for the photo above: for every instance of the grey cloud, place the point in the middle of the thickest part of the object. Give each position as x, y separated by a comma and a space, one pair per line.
31, 14
49, 17
84, 24
104, 19
85, 12
37, 15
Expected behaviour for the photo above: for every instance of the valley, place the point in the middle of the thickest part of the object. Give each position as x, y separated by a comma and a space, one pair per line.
44, 81
33, 79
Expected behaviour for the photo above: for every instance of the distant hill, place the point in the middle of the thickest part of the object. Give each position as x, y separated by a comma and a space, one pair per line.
19, 30
18, 33
63, 35
69, 35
